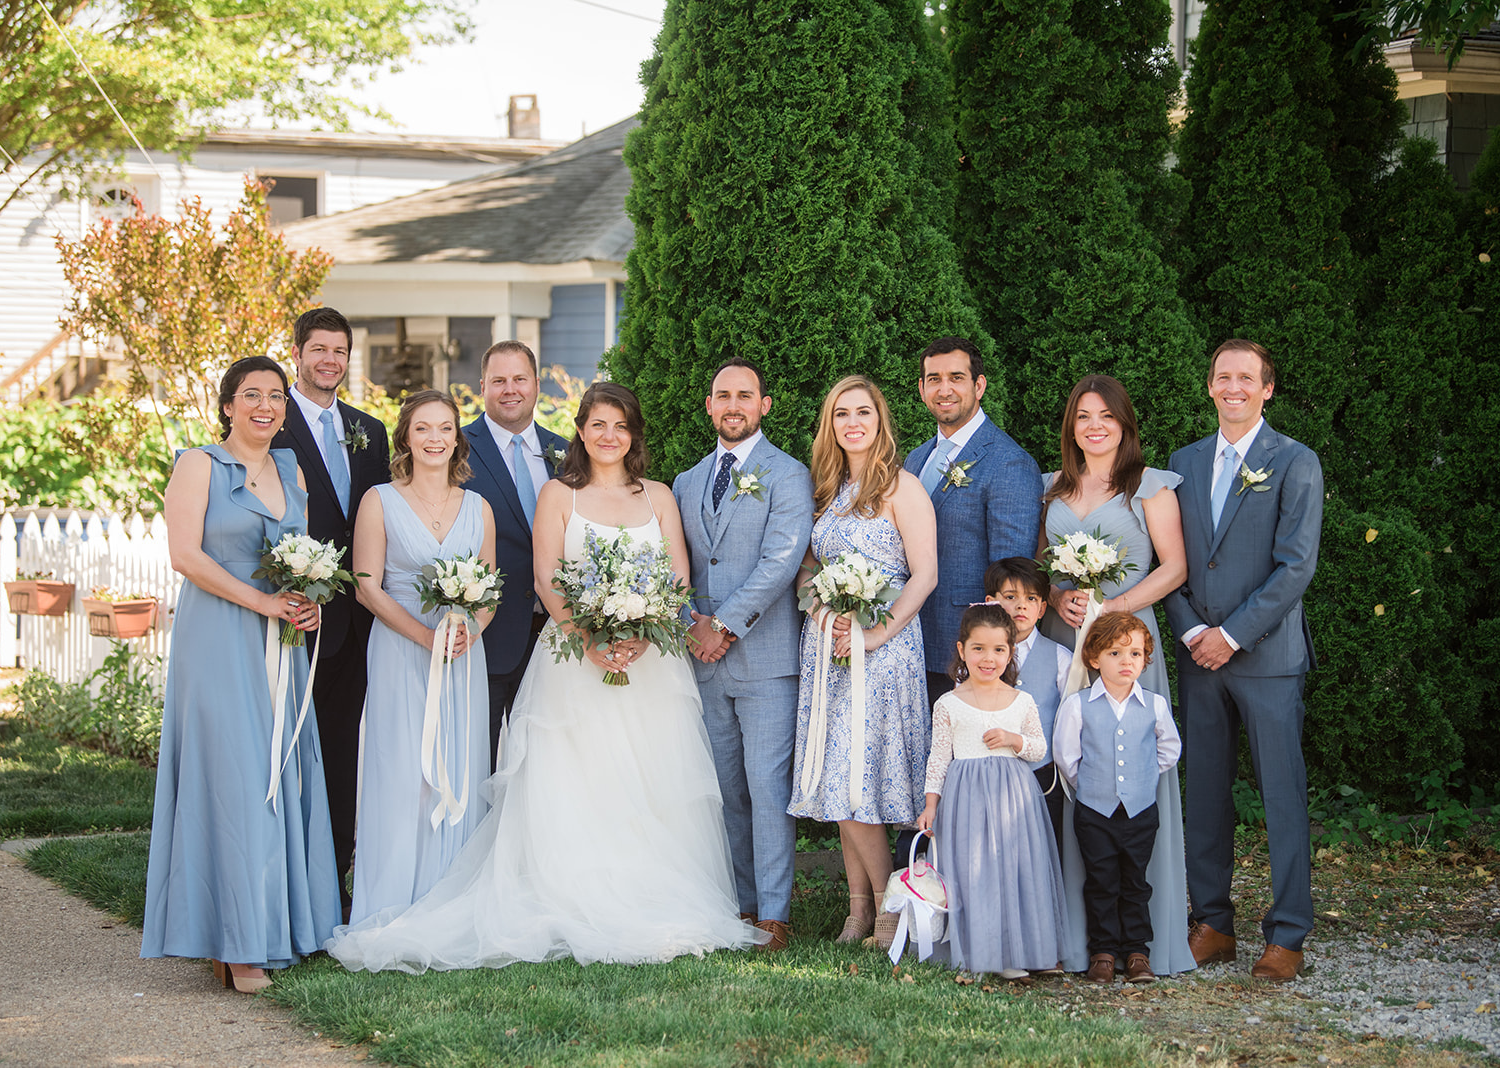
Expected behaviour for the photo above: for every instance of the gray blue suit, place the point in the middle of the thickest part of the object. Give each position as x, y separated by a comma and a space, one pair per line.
745, 557
994, 516
1247, 576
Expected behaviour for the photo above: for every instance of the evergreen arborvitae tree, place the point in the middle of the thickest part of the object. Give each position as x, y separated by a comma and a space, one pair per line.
1270, 261
792, 197
1063, 194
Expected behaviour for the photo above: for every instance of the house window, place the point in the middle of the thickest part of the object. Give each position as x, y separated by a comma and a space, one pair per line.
116, 200
291, 197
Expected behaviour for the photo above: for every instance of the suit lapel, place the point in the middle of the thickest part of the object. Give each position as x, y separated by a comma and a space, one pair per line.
972, 453
1260, 454
692, 501
307, 448
731, 503
483, 448
360, 478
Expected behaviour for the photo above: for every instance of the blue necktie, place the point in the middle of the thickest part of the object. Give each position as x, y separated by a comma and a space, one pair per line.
525, 488
333, 457
1221, 487
932, 471
721, 483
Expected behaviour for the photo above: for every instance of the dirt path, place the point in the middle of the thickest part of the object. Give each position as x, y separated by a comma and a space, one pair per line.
74, 992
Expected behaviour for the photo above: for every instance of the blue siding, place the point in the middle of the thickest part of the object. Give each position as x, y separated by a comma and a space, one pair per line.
574, 335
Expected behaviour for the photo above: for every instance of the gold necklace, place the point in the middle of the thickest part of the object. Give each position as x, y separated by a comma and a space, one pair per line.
437, 520
258, 471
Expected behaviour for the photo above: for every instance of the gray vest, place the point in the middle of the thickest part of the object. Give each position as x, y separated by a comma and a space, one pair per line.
1039, 680
1119, 757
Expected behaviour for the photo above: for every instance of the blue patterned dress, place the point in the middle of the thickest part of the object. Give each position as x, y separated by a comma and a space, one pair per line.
898, 722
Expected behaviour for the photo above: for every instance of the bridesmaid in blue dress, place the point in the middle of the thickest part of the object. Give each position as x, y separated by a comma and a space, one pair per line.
866, 503
421, 516
1105, 485
233, 876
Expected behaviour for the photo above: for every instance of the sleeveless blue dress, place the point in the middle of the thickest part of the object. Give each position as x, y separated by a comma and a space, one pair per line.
228, 876
398, 854
898, 721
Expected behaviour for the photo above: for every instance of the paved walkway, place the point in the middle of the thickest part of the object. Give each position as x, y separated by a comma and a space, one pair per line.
74, 993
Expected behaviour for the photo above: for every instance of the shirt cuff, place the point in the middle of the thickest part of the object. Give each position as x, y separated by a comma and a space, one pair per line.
1187, 638
1232, 643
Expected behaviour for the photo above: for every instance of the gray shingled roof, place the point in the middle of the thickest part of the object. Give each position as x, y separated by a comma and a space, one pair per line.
566, 206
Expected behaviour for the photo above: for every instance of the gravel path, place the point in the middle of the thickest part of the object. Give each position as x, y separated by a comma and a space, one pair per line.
74, 992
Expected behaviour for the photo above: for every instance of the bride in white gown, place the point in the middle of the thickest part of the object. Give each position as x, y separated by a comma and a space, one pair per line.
606, 840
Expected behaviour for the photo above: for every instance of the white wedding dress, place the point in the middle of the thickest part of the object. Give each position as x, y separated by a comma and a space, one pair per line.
606, 841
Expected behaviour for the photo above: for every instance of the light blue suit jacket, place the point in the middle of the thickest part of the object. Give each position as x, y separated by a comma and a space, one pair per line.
994, 516
744, 567
505, 638
1248, 575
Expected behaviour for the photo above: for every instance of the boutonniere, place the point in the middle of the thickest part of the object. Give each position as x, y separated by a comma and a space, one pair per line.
958, 475
358, 438
1251, 480
555, 455
748, 482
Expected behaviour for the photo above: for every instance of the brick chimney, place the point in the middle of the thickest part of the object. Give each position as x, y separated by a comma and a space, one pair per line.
525, 117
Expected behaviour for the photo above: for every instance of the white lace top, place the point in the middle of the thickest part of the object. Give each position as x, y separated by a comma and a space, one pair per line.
958, 730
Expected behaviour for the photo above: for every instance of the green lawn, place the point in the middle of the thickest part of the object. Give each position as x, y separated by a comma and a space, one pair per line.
49, 787
108, 871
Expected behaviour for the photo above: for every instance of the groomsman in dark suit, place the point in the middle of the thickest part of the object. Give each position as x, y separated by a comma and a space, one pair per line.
1252, 515
511, 456
342, 452
986, 490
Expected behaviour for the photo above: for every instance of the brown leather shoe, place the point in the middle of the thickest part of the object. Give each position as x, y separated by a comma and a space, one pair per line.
1101, 968
749, 917
1209, 946
1138, 969
781, 935
1278, 964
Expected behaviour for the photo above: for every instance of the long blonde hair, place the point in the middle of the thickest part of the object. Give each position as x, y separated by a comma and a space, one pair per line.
830, 464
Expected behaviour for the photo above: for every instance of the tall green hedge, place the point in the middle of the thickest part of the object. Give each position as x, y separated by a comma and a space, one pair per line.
1064, 192
792, 195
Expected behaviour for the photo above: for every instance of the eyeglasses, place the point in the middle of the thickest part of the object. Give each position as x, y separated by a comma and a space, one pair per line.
253, 397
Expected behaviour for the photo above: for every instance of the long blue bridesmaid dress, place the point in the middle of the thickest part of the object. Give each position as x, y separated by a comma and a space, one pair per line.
230, 876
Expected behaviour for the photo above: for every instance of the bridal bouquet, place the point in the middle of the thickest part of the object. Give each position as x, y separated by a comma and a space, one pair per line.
852, 586
620, 589
309, 567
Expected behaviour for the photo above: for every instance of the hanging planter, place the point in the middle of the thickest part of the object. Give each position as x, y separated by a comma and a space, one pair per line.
128, 617
39, 597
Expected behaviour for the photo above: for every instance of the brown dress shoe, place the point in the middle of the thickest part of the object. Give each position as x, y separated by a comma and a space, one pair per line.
1101, 968
1278, 964
1138, 969
781, 935
749, 917
1209, 946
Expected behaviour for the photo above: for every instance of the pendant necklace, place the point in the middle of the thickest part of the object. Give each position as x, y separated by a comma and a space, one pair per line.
437, 521
258, 471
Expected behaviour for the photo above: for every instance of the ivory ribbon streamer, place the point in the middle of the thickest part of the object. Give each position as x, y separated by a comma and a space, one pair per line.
1078, 671
817, 727
279, 678
434, 764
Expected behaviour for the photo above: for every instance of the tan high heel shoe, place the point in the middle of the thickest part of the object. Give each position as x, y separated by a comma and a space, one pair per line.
855, 929
248, 984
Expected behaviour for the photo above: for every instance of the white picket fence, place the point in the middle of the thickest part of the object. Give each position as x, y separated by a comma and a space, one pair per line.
127, 555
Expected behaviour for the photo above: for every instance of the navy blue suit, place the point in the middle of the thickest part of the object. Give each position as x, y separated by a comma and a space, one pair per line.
1247, 576
509, 638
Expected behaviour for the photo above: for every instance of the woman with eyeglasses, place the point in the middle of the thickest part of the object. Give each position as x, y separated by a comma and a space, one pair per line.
246, 880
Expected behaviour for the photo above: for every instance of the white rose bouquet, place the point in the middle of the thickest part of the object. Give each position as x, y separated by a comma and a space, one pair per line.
308, 566
464, 583
852, 586
620, 589
1086, 560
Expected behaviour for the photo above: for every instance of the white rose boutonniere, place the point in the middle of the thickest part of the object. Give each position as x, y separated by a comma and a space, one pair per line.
1251, 480
748, 482
358, 438
958, 475
555, 456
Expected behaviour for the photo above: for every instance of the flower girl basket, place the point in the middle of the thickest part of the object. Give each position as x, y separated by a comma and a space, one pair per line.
917, 892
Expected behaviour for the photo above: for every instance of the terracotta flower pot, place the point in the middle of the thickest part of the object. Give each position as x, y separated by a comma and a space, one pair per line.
39, 597
120, 619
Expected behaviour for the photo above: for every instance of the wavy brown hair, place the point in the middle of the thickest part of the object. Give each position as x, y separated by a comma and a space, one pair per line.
1110, 629
577, 468
1130, 464
830, 464
459, 471
990, 614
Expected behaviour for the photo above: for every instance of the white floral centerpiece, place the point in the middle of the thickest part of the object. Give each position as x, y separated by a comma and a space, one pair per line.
620, 589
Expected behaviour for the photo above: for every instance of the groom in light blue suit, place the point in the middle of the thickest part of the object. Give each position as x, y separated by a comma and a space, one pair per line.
986, 490
1252, 515
747, 515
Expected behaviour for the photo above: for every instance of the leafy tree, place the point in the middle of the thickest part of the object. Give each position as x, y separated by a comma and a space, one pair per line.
792, 198
185, 299
1063, 196
1439, 24
170, 66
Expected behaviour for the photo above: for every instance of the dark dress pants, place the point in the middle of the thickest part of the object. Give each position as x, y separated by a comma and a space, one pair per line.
1116, 895
339, 703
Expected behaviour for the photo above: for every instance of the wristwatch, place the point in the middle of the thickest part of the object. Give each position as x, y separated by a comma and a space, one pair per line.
717, 626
